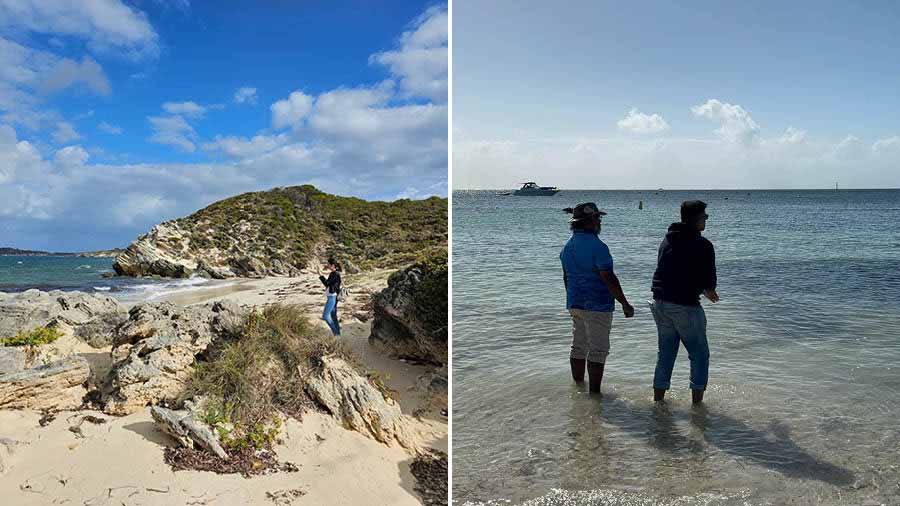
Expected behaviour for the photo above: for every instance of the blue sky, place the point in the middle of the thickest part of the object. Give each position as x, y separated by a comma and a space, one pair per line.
676, 94
116, 115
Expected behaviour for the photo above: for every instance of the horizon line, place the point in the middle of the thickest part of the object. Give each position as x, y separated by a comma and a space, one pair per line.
691, 189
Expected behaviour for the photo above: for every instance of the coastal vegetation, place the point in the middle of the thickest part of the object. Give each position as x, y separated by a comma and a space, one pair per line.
34, 337
430, 298
287, 224
252, 377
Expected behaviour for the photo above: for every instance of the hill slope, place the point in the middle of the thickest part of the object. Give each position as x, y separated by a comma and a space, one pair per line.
280, 231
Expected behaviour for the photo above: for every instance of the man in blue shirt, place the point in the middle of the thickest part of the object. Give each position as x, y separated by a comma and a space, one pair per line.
591, 286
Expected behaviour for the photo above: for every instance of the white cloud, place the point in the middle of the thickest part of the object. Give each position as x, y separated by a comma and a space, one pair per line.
21, 167
22, 69
241, 147
640, 123
245, 95
174, 131
69, 72
421, 62
363, 114
65, 133
674, 163
290, 111
71, 156
792, 136
736, 125
136, 207
21, 65
849, 148
108, 128
887, 145
107, 25
189, 109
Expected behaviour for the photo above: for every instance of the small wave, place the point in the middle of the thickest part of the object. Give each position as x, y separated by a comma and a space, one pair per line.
102, 288
83, 267
155, 291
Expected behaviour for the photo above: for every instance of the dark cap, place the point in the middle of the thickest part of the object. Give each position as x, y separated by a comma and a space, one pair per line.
585, 211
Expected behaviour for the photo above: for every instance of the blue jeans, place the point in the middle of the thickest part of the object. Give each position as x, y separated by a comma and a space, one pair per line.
330, 314
686, 324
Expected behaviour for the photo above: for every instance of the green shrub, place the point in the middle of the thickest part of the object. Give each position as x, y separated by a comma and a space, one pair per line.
35, 337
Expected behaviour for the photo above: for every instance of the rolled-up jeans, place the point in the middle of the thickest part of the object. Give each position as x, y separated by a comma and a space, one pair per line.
590, 334
685, 324
330, 314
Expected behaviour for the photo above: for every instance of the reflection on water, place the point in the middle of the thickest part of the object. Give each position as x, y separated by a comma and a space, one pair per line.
804, 386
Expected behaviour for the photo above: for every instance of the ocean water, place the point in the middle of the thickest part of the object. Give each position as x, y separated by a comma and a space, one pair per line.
804, 395
19, 273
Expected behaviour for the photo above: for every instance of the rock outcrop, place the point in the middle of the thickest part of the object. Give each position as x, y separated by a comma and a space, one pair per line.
411, 313
281, 231
57, 385
101, 330
35, 308
166, 251
11, 360
156, 348
358, 405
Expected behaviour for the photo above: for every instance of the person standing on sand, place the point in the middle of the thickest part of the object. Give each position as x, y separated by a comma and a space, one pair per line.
591, 286
686, 267
332, 290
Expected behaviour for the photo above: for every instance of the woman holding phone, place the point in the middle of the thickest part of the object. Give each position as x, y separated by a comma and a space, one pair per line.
332, 290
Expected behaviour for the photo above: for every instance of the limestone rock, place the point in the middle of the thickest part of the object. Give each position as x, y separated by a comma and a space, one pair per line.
404, 323
358, 405
11, 360
35, 308
156, 348
101, 331
57, 385
250, 266
190, 432
162, 252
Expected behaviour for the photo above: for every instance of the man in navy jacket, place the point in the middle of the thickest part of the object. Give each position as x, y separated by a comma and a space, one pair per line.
686, 268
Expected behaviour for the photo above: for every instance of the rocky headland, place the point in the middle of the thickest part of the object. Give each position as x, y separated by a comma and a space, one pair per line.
282, 231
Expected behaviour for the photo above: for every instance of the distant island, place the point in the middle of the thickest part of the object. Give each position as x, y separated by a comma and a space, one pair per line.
6, 252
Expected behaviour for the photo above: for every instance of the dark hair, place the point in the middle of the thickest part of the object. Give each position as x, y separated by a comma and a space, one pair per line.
335, 263
691, 210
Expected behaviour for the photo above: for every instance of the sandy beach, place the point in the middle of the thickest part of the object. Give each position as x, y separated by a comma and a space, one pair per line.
120, 461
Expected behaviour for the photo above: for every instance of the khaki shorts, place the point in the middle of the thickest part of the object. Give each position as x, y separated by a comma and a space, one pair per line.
591, 334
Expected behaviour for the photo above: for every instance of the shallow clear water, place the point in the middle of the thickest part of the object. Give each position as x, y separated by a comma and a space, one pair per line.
19, 273
803, 401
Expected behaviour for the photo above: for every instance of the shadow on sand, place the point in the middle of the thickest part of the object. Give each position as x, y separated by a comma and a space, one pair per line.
772, 448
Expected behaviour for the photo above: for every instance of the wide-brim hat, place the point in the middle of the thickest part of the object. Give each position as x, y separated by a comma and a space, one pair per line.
586, 211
